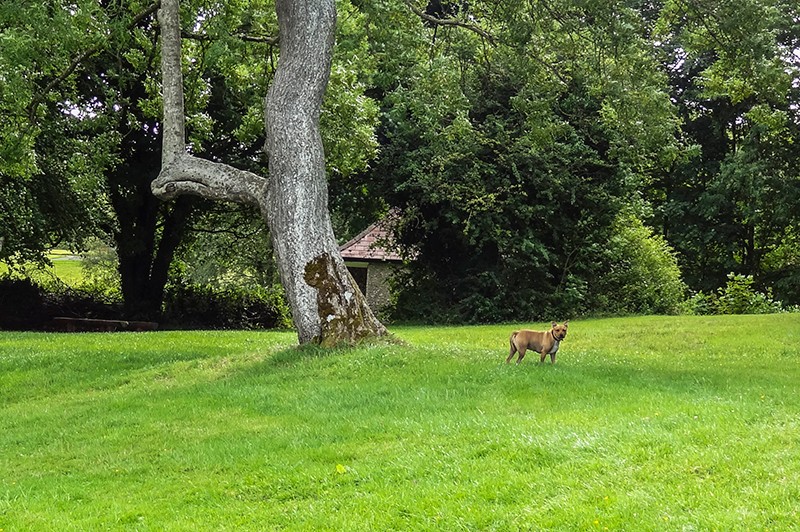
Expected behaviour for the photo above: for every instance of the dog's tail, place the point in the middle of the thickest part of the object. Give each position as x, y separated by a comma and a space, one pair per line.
513, 348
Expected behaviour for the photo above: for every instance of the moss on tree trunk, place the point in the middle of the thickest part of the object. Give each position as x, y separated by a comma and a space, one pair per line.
340, 306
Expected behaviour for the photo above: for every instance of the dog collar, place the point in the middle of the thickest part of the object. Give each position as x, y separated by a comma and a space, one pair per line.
554, 336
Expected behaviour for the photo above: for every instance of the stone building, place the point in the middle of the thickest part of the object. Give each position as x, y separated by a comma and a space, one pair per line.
371, 264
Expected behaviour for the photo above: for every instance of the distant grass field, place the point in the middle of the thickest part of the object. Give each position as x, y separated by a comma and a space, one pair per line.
653, 423
65, 267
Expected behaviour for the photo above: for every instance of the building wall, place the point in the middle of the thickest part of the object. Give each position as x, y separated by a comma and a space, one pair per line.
378, 274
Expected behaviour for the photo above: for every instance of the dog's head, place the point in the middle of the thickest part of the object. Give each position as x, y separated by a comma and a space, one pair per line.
559, 331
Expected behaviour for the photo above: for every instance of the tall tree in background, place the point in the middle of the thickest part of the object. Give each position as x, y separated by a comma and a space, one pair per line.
327, 306
45, 201
732, 206
145, 231
84, 146
92, 145
513, 136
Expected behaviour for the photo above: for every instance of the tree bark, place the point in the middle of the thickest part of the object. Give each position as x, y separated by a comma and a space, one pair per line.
148, 232
327, 306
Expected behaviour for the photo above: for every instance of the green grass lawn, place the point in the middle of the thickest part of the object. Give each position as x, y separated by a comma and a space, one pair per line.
655, 423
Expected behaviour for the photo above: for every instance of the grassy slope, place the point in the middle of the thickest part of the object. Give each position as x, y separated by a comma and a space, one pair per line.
636, 427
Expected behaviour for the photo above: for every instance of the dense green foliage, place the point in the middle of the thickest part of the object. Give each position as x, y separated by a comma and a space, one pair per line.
643, 275
209, 307
27, 304
541, 159
646, 423
511, 159
31, 295
511, 162
732, 204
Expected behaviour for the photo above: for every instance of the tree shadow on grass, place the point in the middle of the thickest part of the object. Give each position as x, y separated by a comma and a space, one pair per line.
300, 353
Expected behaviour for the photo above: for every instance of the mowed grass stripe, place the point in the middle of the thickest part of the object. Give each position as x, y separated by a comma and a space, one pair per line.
644, 423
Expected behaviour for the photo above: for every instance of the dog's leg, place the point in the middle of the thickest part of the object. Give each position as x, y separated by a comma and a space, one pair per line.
521, 354
542, 357
552, 358
512, 351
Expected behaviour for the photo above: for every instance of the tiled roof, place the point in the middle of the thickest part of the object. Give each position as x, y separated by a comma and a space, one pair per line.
368, 246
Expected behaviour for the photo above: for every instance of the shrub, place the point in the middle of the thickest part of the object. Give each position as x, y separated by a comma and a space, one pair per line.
781, 268
634, 272
641, 275
28, 304
21, 304
739, 297
207, 306
100, 266
700, 304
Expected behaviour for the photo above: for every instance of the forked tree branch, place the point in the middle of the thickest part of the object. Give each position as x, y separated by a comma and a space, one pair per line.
182, 173
449, 21
273, 40
186, 174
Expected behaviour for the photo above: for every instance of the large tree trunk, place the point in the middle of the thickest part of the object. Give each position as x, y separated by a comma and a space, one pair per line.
327, 306
325, 300
149, 232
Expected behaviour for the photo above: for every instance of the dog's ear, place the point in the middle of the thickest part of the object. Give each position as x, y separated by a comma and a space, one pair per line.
566, 323
553, 324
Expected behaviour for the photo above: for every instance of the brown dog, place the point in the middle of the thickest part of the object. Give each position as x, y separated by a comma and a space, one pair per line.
544, 343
